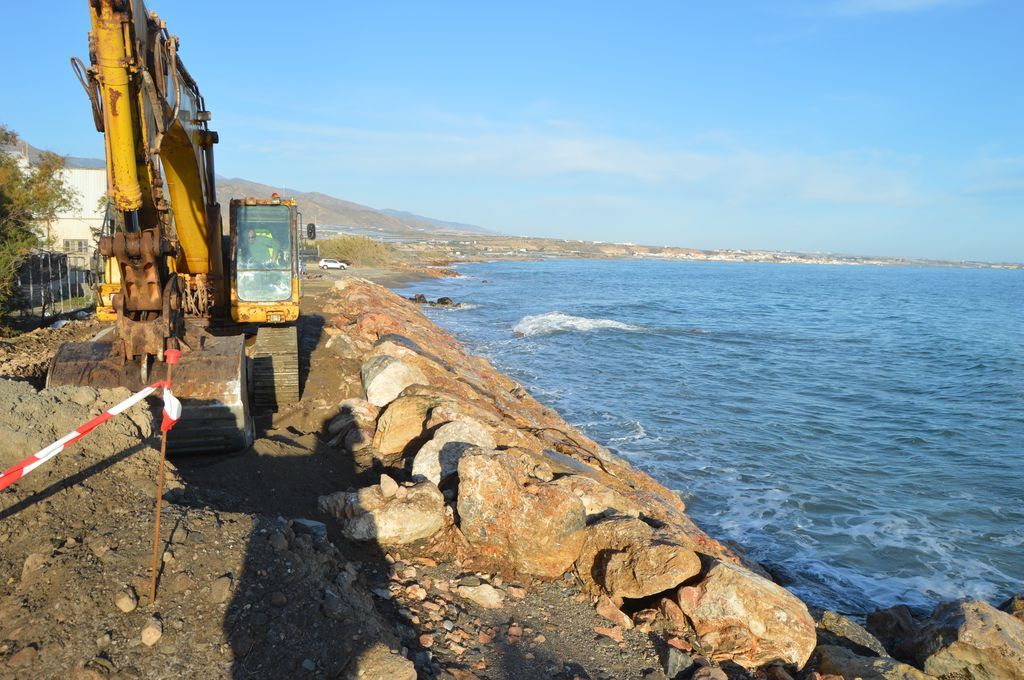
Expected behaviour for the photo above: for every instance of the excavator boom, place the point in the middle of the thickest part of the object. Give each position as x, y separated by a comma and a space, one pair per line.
165, 266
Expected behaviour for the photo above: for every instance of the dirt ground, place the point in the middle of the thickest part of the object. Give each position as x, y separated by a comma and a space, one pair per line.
27, 356
254, 581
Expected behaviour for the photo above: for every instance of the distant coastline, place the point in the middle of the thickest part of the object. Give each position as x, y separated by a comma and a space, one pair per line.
447, 249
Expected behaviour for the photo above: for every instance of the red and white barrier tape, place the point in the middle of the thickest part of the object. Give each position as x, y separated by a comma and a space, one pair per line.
172, 411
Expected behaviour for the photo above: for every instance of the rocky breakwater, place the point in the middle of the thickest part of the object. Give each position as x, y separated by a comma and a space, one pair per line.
473, 469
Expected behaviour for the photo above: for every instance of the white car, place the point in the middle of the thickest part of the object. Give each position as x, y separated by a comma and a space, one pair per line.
328, 263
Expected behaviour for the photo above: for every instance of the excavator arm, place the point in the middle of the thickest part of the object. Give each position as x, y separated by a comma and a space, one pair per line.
164, 259
160, 177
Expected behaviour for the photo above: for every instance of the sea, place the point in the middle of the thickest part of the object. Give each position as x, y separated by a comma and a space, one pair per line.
858, 430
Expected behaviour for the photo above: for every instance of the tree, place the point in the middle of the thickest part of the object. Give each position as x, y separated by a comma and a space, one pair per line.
29, 198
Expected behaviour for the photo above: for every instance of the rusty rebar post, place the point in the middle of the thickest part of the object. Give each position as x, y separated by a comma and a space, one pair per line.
159, 498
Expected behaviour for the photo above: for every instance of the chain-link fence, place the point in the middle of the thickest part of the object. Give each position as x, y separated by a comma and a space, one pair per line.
50, 284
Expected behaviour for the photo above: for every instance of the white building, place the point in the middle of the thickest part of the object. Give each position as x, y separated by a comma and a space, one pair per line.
74, 231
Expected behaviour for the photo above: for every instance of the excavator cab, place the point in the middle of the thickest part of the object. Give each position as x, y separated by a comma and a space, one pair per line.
265, 289
264, 267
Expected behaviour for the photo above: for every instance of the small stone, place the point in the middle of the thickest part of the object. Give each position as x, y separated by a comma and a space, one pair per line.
607, 609
23, 658
426, 640
388, 486
485, 595
309, 664
676, 661
152, 632
614, 633
32, 564
709, 673
278, 599
127, 601
680, 644
220, 590
278, 541
416, 592
517, 592
380, 662
310, 526
777, 672
179, 535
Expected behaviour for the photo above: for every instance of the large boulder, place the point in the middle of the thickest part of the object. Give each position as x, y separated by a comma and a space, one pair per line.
598, 499
842, 661
384, 378
386, 516
624, 557
971, 639
839, 630
532, 528
438, 459
402, 426
1014, 606
747, 619
896, 628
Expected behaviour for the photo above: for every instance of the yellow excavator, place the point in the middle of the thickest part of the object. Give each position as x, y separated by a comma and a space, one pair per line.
172, 279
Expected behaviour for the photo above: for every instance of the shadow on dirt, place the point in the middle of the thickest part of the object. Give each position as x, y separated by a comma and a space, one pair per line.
296, 609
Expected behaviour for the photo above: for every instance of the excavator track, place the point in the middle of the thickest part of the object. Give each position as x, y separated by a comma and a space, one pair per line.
275, 367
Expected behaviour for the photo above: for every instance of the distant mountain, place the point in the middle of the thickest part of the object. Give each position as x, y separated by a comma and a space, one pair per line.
323, 209
334, 212
452, 226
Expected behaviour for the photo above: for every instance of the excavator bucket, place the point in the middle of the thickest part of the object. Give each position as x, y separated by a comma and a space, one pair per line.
210, 382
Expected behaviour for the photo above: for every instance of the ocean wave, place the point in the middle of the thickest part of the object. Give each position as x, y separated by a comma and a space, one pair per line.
557, 322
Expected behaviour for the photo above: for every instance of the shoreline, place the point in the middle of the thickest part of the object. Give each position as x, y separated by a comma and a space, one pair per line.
820, 593
911, 627
418, 511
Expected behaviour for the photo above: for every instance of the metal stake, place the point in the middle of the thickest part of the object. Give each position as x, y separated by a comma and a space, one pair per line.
171, 358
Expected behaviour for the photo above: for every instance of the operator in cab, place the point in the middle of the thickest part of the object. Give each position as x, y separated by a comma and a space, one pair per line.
261, 249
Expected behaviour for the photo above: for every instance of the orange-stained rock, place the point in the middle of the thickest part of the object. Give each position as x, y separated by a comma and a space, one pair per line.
747, 619
607, 609
672, 613
530, 528
643, 570
599, 499
625, 557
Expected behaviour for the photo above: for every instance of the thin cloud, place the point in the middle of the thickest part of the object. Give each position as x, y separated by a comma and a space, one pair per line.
715, 163
864, 7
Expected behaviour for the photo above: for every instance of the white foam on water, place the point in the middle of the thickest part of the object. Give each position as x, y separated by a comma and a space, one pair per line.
557, 322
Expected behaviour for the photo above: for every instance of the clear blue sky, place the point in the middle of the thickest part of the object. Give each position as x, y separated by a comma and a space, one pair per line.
888, 127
